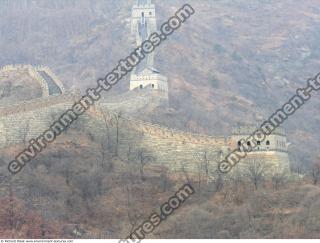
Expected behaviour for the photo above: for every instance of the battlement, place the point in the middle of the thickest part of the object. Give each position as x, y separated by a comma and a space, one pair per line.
38, 103
249, 129
174, 134
15, 67
156, 130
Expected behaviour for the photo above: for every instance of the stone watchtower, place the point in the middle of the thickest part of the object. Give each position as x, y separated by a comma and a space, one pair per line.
273, 151
143, 24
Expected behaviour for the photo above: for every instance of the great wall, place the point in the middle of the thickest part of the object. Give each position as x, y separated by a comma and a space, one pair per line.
177, 150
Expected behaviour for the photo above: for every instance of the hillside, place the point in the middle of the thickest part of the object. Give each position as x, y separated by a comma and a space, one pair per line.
80, 188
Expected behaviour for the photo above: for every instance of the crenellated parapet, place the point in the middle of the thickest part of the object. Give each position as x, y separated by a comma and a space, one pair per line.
36, 104
15, 67
164, 132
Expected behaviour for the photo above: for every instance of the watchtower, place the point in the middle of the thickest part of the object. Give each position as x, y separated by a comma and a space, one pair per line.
143, 24
276, 141
272, 151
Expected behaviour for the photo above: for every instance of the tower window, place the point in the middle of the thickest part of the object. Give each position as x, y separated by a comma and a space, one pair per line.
239, 144
268, 143
248, 143
258, 143
152, 86
141, 86
150, 13
142, 14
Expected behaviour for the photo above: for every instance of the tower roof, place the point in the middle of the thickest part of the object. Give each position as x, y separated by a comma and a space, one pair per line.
143, 2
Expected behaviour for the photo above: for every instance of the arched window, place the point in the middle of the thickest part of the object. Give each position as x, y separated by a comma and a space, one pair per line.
142, 14
141, 86
249, 144
150, 13
258, 143
239, 144
268, 143
152, 85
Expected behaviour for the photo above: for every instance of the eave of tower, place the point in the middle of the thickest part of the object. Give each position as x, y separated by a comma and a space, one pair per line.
143, 2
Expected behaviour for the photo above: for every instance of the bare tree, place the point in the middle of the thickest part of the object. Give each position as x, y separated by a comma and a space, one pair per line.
164, 177
144, 158
297, 167
107, 129
256, 172
315, 173
218, 182
200, 172
7, 180
5, 90
187, 120
117, 119
105, 145
236, 178
25, 132
67, 172
104, 157
129, 154
2, 92
130, 211
202, 166
185, 174
206, 163
278, 179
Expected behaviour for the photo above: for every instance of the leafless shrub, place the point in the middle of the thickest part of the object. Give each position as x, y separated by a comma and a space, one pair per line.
315, 173
256, 172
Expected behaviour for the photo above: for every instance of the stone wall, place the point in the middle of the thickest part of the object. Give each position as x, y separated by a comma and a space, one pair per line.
270, 162
172, 148
29, 119
134, 100
178, 149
